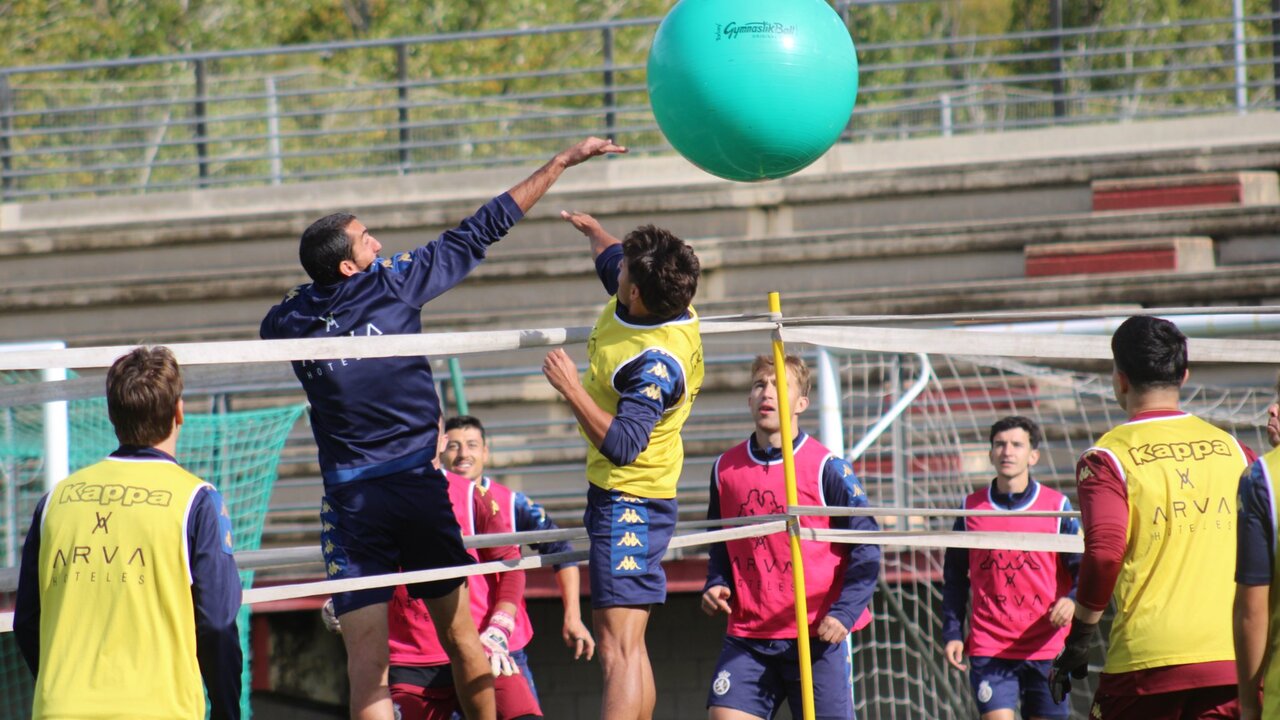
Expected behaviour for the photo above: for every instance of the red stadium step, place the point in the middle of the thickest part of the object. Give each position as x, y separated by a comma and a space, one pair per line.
1234, 188
1180, 254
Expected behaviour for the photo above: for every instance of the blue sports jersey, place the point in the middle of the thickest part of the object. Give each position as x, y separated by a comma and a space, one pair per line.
378, 416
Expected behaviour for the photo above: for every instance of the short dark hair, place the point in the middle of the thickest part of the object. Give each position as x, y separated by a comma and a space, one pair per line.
1014, 422
325, 244
663, 267
458, 422
143, 389
1150, 351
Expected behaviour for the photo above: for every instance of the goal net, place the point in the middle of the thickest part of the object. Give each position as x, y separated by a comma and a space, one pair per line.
936, 452
237, 452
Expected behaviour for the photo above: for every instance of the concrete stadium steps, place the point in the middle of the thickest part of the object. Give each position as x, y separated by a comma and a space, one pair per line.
921, 226
183, 266
958, 259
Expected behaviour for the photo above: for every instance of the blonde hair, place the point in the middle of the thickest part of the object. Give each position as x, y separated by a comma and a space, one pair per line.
795, 365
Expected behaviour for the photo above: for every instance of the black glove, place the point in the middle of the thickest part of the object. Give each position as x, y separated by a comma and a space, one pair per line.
1073, 661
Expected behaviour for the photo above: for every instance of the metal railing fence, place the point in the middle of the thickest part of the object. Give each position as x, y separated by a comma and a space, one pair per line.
381, 107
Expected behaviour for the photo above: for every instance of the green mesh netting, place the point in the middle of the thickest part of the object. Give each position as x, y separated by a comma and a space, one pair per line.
237, 452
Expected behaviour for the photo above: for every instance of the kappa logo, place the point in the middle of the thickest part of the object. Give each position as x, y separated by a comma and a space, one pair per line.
333, 569
1198, 450
629, 564
1096, 712
721, 684
631, 517
1084, 474
660, 371
107, 494
629, 539
652, 391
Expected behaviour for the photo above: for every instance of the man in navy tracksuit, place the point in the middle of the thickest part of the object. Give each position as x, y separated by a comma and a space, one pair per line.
375, 420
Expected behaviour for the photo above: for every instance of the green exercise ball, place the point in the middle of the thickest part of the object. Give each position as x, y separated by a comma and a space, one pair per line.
752, 89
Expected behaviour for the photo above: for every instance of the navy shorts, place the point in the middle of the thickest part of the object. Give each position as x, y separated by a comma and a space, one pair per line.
1000, 684
755, 676
384, 525
629, 536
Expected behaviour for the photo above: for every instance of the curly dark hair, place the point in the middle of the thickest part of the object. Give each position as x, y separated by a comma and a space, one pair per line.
664, 269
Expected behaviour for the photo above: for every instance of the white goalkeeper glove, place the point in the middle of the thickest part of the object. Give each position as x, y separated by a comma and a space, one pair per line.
496, 640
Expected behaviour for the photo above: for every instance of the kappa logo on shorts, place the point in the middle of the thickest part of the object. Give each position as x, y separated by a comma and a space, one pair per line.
984, 692
630, 540
1096, 712
630, 516
721, 684
628, 564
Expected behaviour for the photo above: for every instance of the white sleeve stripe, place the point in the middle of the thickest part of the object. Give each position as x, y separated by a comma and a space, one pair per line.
1115, 461
1271, 495
822, 479
186, 523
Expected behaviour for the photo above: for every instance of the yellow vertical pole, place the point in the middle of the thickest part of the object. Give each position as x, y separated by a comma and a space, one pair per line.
793, 523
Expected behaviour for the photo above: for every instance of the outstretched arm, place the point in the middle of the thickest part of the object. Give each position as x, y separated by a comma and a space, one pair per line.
531, 190
600, 239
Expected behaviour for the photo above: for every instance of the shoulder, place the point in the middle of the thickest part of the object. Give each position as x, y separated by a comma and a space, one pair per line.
734, 455
977, 497
207, 500
659, 364
290, 298
1256, 480
837, 467
1097, 460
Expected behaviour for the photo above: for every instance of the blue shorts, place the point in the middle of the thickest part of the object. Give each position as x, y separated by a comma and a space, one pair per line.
755, 676
999, 684
384, 525
629, 536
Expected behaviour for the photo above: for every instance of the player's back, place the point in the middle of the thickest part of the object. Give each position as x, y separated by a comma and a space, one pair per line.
1176, 587
117, 623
